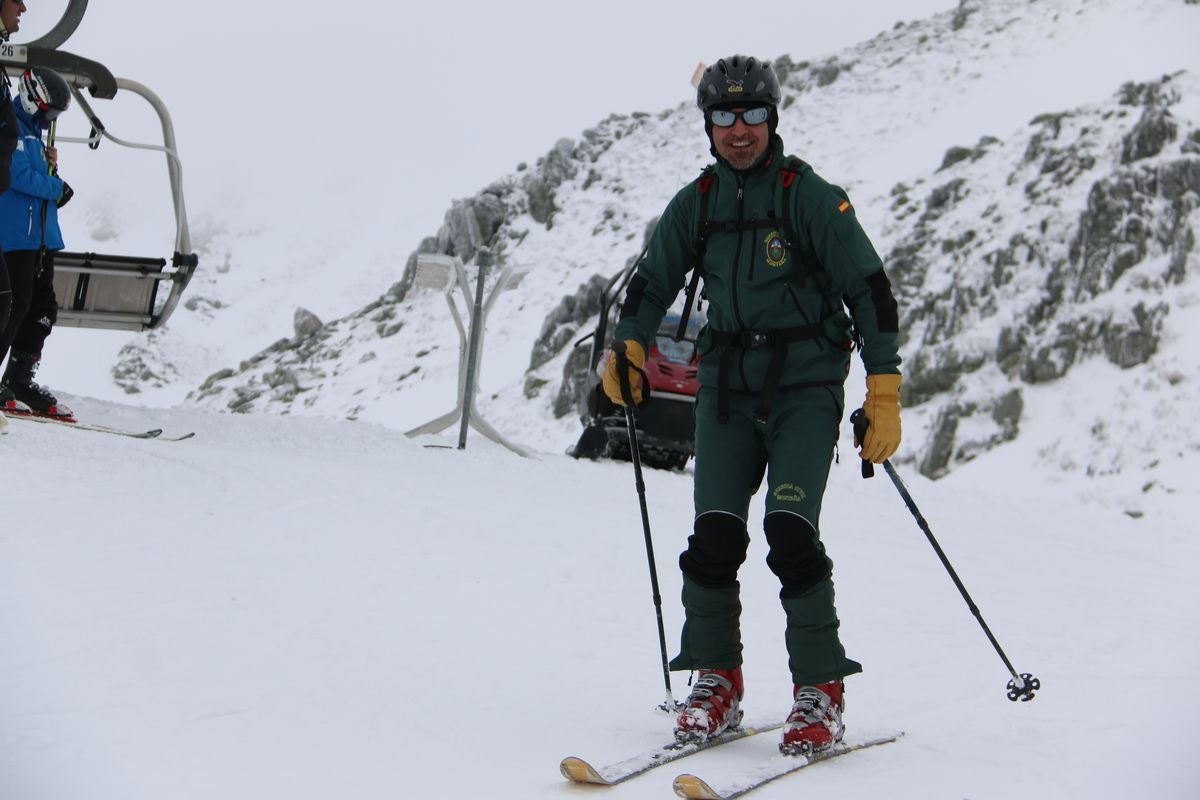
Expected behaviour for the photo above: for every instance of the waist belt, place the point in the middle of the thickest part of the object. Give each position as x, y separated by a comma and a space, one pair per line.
777, 341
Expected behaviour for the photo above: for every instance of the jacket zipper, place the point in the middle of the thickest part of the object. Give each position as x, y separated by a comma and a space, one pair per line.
29, 231
789, 291
737, 262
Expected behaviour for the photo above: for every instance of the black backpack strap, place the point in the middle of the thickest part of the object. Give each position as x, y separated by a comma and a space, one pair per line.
704, 186
789, 176
777, 341
733, 226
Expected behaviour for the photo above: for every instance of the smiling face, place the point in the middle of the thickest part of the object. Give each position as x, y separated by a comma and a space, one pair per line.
741, 145
10, 14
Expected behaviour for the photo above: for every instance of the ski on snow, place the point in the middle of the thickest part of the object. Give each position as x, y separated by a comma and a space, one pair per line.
153, 433
580, 771
692, 788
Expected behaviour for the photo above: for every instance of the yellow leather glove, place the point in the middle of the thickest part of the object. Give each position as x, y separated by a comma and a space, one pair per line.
612, 379
882, 408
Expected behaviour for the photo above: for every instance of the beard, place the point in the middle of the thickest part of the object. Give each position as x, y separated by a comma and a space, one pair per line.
741, 157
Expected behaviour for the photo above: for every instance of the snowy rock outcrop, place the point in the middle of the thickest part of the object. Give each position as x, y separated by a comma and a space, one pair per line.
1024, 258
499, 218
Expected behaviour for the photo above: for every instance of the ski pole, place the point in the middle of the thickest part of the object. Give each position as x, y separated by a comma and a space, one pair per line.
1022, 687
623, 367
51, 169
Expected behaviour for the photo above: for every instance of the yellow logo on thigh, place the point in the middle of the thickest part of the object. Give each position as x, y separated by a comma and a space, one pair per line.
789, 493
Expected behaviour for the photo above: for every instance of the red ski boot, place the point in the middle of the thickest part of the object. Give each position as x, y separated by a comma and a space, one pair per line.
815, 724
714, 705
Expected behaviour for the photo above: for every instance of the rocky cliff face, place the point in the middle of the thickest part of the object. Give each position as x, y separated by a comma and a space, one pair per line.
1023, 258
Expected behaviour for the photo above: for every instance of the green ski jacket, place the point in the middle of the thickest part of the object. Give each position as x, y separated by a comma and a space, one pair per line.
755, 288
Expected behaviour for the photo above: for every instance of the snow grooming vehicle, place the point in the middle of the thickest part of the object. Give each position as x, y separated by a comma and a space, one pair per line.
107, 291
666, 425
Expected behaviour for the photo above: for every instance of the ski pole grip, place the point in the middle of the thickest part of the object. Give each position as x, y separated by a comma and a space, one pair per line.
860, 422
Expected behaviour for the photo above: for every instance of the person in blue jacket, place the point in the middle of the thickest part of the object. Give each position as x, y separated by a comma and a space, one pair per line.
10, 22
29, 236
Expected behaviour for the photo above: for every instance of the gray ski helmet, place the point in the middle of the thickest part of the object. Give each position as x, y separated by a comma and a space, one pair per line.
738, 79
44, 91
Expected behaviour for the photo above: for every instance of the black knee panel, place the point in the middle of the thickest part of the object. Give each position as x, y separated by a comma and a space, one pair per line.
797, 556
715, 550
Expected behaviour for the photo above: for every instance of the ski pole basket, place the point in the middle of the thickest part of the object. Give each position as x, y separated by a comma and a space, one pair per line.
109, 291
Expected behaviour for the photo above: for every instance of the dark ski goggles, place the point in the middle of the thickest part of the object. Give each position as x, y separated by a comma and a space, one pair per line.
48, 112
723, 118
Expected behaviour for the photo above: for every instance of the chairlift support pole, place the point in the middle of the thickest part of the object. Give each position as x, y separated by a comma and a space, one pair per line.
449, 273
482, 262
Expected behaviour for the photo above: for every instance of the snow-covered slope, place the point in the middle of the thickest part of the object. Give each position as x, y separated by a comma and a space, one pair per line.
303, 608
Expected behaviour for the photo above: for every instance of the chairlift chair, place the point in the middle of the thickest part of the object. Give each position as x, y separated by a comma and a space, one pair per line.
110, 291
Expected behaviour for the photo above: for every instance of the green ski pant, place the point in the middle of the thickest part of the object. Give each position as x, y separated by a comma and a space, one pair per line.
793, 450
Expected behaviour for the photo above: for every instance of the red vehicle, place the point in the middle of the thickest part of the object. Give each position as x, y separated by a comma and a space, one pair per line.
671, 365
666, 424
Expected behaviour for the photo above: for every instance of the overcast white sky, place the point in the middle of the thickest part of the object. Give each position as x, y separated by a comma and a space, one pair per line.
438, 98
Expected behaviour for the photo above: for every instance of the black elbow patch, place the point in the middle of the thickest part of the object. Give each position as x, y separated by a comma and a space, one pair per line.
887, 315
633, 296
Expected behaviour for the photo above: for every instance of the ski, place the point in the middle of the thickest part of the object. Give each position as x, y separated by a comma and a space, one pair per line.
153, 433
579, 771
692, 788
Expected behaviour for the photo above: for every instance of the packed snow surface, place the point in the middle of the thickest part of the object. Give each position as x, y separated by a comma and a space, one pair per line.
289, 607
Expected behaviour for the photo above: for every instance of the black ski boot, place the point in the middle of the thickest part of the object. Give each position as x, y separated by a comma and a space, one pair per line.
9, 404
18, 380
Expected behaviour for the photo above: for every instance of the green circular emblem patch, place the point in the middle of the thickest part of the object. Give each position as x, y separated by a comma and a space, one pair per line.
776, 249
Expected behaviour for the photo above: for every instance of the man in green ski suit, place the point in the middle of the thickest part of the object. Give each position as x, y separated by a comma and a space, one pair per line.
782, 257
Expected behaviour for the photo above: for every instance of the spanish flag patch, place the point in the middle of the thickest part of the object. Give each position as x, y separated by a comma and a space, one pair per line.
844, 206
